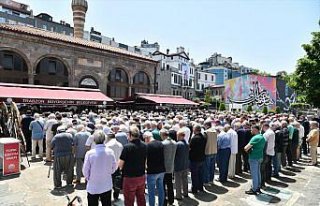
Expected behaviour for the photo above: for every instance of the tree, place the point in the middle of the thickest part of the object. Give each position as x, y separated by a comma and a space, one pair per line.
207, 97
308, 71
222, 107
265, 110
249, 108
278, 110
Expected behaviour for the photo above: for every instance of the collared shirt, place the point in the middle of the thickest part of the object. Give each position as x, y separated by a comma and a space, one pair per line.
291, 130
122, 138
62, 144
224, 140
80, 140
48, 128
169, 151
181, 161
37, 128
187, 133
99, 165
270, 136
301, 134
211, 145
234, 141
116, 148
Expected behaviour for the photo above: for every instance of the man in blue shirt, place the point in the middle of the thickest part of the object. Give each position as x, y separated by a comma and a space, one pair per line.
223, 155
37, 135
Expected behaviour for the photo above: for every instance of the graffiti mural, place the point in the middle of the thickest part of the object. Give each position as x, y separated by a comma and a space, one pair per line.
253, 90
285, 95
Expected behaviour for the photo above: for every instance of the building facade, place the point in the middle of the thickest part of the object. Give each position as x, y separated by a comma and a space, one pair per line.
203, 80
34, 56
176, 73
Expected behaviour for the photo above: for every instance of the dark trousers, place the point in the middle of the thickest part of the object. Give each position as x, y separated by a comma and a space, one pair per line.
196, 169
284, 156
266, 169
27, 136
117, 183
242, 161
105, 198
294, 153
63, 164
304, 146
289, 153
168, 188
223, 163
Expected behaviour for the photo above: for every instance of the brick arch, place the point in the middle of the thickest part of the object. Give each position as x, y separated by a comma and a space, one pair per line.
45, 79
24, 58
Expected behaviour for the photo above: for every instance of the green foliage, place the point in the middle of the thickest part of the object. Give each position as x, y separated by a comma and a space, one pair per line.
307, 73
265, 110
278, 110
207, 97
249, 108
222, 107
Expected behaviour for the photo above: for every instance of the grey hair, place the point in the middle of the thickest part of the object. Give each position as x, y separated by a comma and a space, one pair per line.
99, 137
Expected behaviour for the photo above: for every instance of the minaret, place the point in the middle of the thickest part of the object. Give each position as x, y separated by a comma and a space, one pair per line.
79, 8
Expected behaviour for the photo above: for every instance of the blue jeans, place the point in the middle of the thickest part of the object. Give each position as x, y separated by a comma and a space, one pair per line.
255, 173
276, 160
154, 180
208, 170
196, 169
223, 157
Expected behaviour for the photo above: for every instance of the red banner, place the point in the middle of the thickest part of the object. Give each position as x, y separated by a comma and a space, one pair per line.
11, 159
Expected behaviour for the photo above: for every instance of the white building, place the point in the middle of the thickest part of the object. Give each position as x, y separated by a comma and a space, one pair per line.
176, 75
203, 80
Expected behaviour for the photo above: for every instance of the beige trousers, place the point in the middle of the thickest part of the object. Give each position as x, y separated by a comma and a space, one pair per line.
232, 165
313, 152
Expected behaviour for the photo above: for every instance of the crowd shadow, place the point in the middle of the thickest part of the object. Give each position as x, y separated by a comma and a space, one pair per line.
230, 184
63, 191
285, 179
293, 169
81, 186
288, 173
205, 197
239, 180
9, 177
216, 189
268, 198
245, 176
272, 190
188, 202
277, 184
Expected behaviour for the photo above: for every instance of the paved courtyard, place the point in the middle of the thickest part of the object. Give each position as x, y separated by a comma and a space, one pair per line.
298, 185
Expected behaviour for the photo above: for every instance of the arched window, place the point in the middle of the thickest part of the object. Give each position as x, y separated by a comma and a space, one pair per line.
51, 71
141, 83
13, 68
88, 82
118, 84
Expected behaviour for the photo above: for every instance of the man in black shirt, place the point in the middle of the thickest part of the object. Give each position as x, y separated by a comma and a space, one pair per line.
132, 163
197, 157
155, 168
25, 123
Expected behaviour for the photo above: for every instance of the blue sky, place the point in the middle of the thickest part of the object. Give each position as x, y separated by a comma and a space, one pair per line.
261, 34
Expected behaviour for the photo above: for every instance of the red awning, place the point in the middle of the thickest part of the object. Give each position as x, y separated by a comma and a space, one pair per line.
32, 94
166, 99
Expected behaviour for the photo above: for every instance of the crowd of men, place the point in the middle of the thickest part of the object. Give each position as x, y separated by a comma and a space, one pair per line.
132, 151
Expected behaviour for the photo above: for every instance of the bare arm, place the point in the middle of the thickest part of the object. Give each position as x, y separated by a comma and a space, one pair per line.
247, 147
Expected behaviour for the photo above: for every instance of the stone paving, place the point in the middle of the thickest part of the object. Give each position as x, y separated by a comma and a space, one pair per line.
298, 185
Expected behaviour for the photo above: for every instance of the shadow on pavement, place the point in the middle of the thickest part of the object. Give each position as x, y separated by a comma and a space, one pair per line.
245, 176
239, 180
216, 189
272, 190
294, 169
286, 179
230, 184
62, 191
277, 184
188, 202
205, 197
9, 177
268, 198
288, 173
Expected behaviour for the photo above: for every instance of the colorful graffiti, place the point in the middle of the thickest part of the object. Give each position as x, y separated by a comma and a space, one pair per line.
256, 90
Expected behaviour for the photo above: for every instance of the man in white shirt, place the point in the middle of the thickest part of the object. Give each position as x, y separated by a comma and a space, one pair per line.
234, 150
266, 168
117, 148
49, 135
99, 175
187, 132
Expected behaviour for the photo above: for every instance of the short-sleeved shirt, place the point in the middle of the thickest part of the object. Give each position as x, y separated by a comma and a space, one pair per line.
258, 142
155, 157
80, 140
156, 134
134, 156
62, 144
